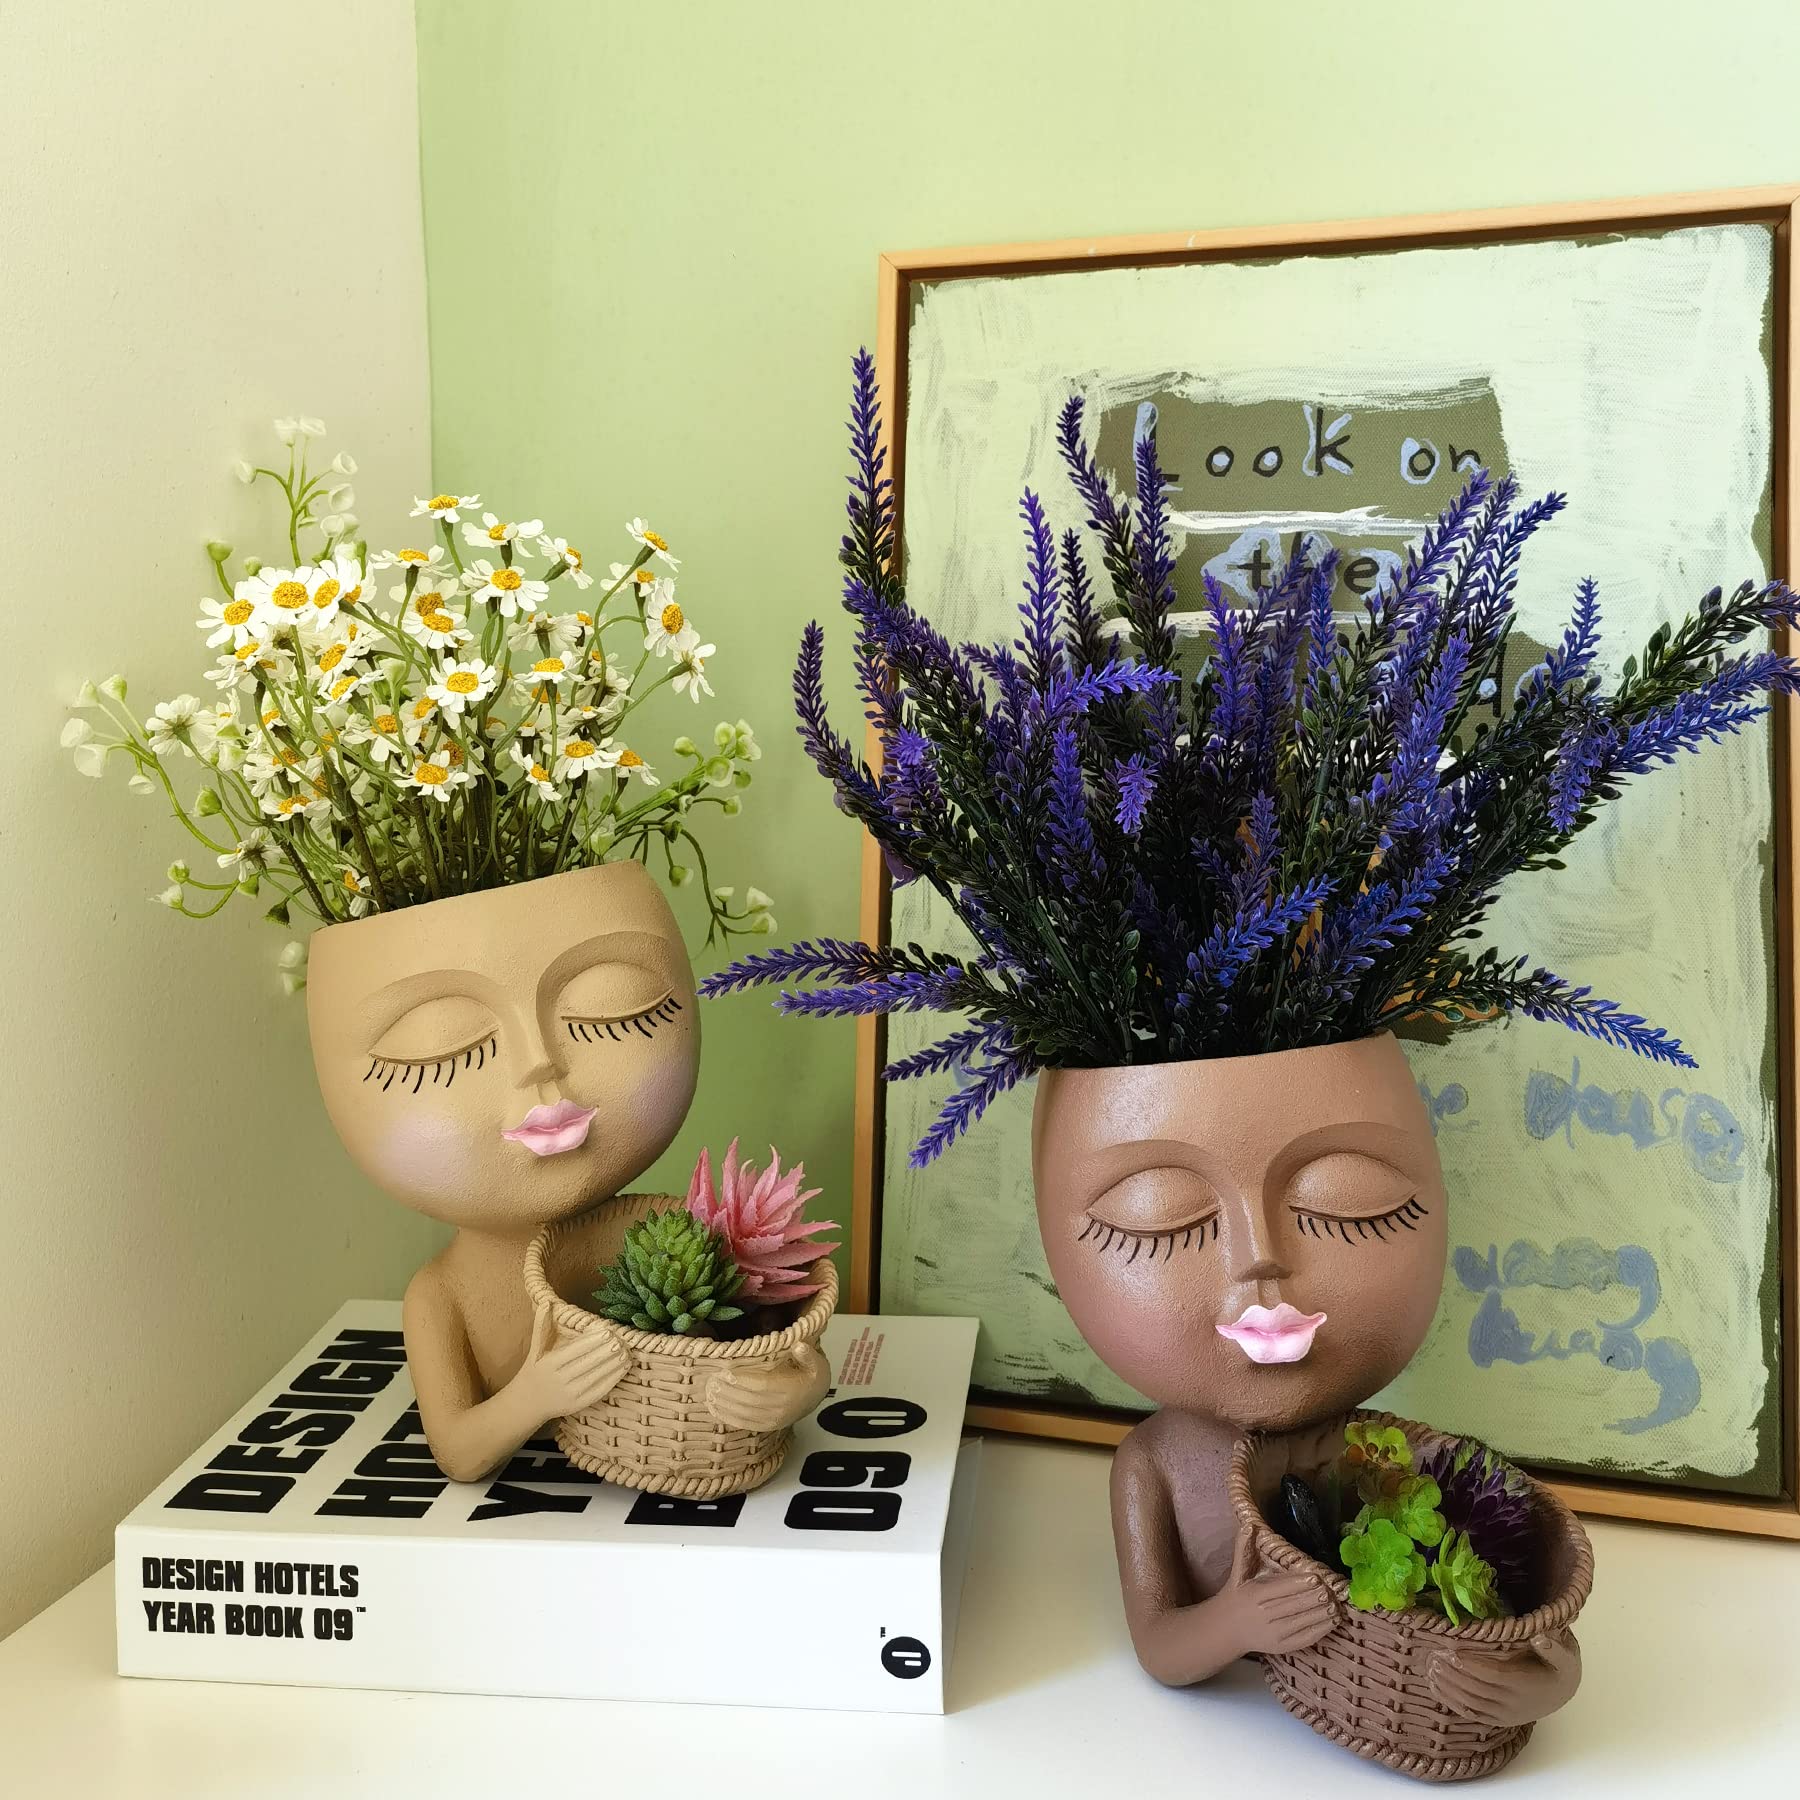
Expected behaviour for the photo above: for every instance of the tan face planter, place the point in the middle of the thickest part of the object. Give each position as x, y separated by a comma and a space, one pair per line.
694, 1416
499, 1061
1257, 1243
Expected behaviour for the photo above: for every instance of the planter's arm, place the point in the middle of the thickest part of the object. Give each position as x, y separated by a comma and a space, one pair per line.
1180, 1637
471, 1433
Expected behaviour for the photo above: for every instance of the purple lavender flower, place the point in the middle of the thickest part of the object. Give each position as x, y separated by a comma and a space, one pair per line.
1294, 846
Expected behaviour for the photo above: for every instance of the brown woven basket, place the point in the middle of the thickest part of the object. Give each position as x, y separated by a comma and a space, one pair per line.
655, 1430
1366, 1684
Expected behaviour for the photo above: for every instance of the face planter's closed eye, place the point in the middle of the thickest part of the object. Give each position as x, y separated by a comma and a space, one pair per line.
1354, 1197
616, 1001
642, 1023
1154, 1211
434, 1042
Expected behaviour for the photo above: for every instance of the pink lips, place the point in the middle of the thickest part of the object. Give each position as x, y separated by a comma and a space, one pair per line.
1281, 1335
550, 1130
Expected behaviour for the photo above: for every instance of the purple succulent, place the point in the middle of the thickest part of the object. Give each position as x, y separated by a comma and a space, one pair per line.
1485, 1497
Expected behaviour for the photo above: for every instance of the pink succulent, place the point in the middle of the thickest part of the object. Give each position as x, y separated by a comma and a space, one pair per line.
759, 1217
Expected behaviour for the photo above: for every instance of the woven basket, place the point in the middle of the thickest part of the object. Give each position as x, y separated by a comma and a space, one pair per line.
655, 1430
1366, 1684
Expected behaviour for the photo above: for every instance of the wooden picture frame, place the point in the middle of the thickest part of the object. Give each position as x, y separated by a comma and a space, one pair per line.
901, 273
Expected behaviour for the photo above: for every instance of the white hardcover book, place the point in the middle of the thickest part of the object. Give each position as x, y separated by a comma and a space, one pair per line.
314, 1541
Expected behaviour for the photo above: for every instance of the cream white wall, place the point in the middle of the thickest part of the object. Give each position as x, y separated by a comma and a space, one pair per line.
209, 214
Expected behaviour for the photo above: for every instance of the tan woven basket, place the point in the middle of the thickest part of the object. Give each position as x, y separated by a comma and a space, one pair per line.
1366, 1685
655, 1430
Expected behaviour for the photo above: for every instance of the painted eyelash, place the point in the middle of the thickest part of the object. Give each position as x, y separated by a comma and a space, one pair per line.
644, 1023
1114, 1237
1387, 1225
474, 1057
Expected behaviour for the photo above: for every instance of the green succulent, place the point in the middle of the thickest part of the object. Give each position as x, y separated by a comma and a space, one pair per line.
1378, 1457
1413, 1508
674, 1274
1386, 1569
1462, 1582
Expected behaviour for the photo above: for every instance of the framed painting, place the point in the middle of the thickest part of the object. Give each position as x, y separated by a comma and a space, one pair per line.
1619, 1309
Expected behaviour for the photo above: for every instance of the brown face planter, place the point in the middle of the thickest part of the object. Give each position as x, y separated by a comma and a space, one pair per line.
659, 1429
1368, 1685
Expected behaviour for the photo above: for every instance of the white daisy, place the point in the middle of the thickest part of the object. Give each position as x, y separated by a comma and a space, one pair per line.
336, 582
657, 545
579, 756
690, 672
343, 687
444, 507
281, 596
435, 627
438, 779
493, 531
509, 589
547, 675
535, 772
386, 736
181, 724
666, 631
356, 892
234, 622
304, 804
417, 718
254, 851
629, 763
461, 684
645, 585
423, 560
560, 550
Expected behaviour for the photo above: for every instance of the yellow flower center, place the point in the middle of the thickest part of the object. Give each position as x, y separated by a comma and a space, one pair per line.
643, 578
245, 652
539, 773
629, 759
571, 556
507, 580
584, 620
550, 665
424, 707
412, 556
671, 618
453, 755
237, 612
288, 595
439, 621
352, 881
287, 757
291, 805
386, 722
499, 532
351, 598
431, 774
578, 749
342, 686
270, 716
655, 542
326, 592
428, 603
443, 502
462, 681
330, 657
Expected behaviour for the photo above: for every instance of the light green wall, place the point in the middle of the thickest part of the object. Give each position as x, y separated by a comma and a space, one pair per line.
651, 235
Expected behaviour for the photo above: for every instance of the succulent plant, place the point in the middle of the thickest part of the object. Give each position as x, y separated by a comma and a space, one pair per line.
1386, 1569
1485, 1498
674, 1274
1462, 1581
1413, 1507
757, 1214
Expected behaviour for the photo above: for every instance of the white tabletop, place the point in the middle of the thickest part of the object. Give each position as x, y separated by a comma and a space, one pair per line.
1691, 1645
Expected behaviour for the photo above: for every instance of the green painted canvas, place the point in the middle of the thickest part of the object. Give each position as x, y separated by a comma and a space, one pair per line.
1612, 1299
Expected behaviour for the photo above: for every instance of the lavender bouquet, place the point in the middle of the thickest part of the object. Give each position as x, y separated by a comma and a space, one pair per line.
1296, 845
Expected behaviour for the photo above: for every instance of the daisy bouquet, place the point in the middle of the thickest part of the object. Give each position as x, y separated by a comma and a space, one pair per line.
382, 728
